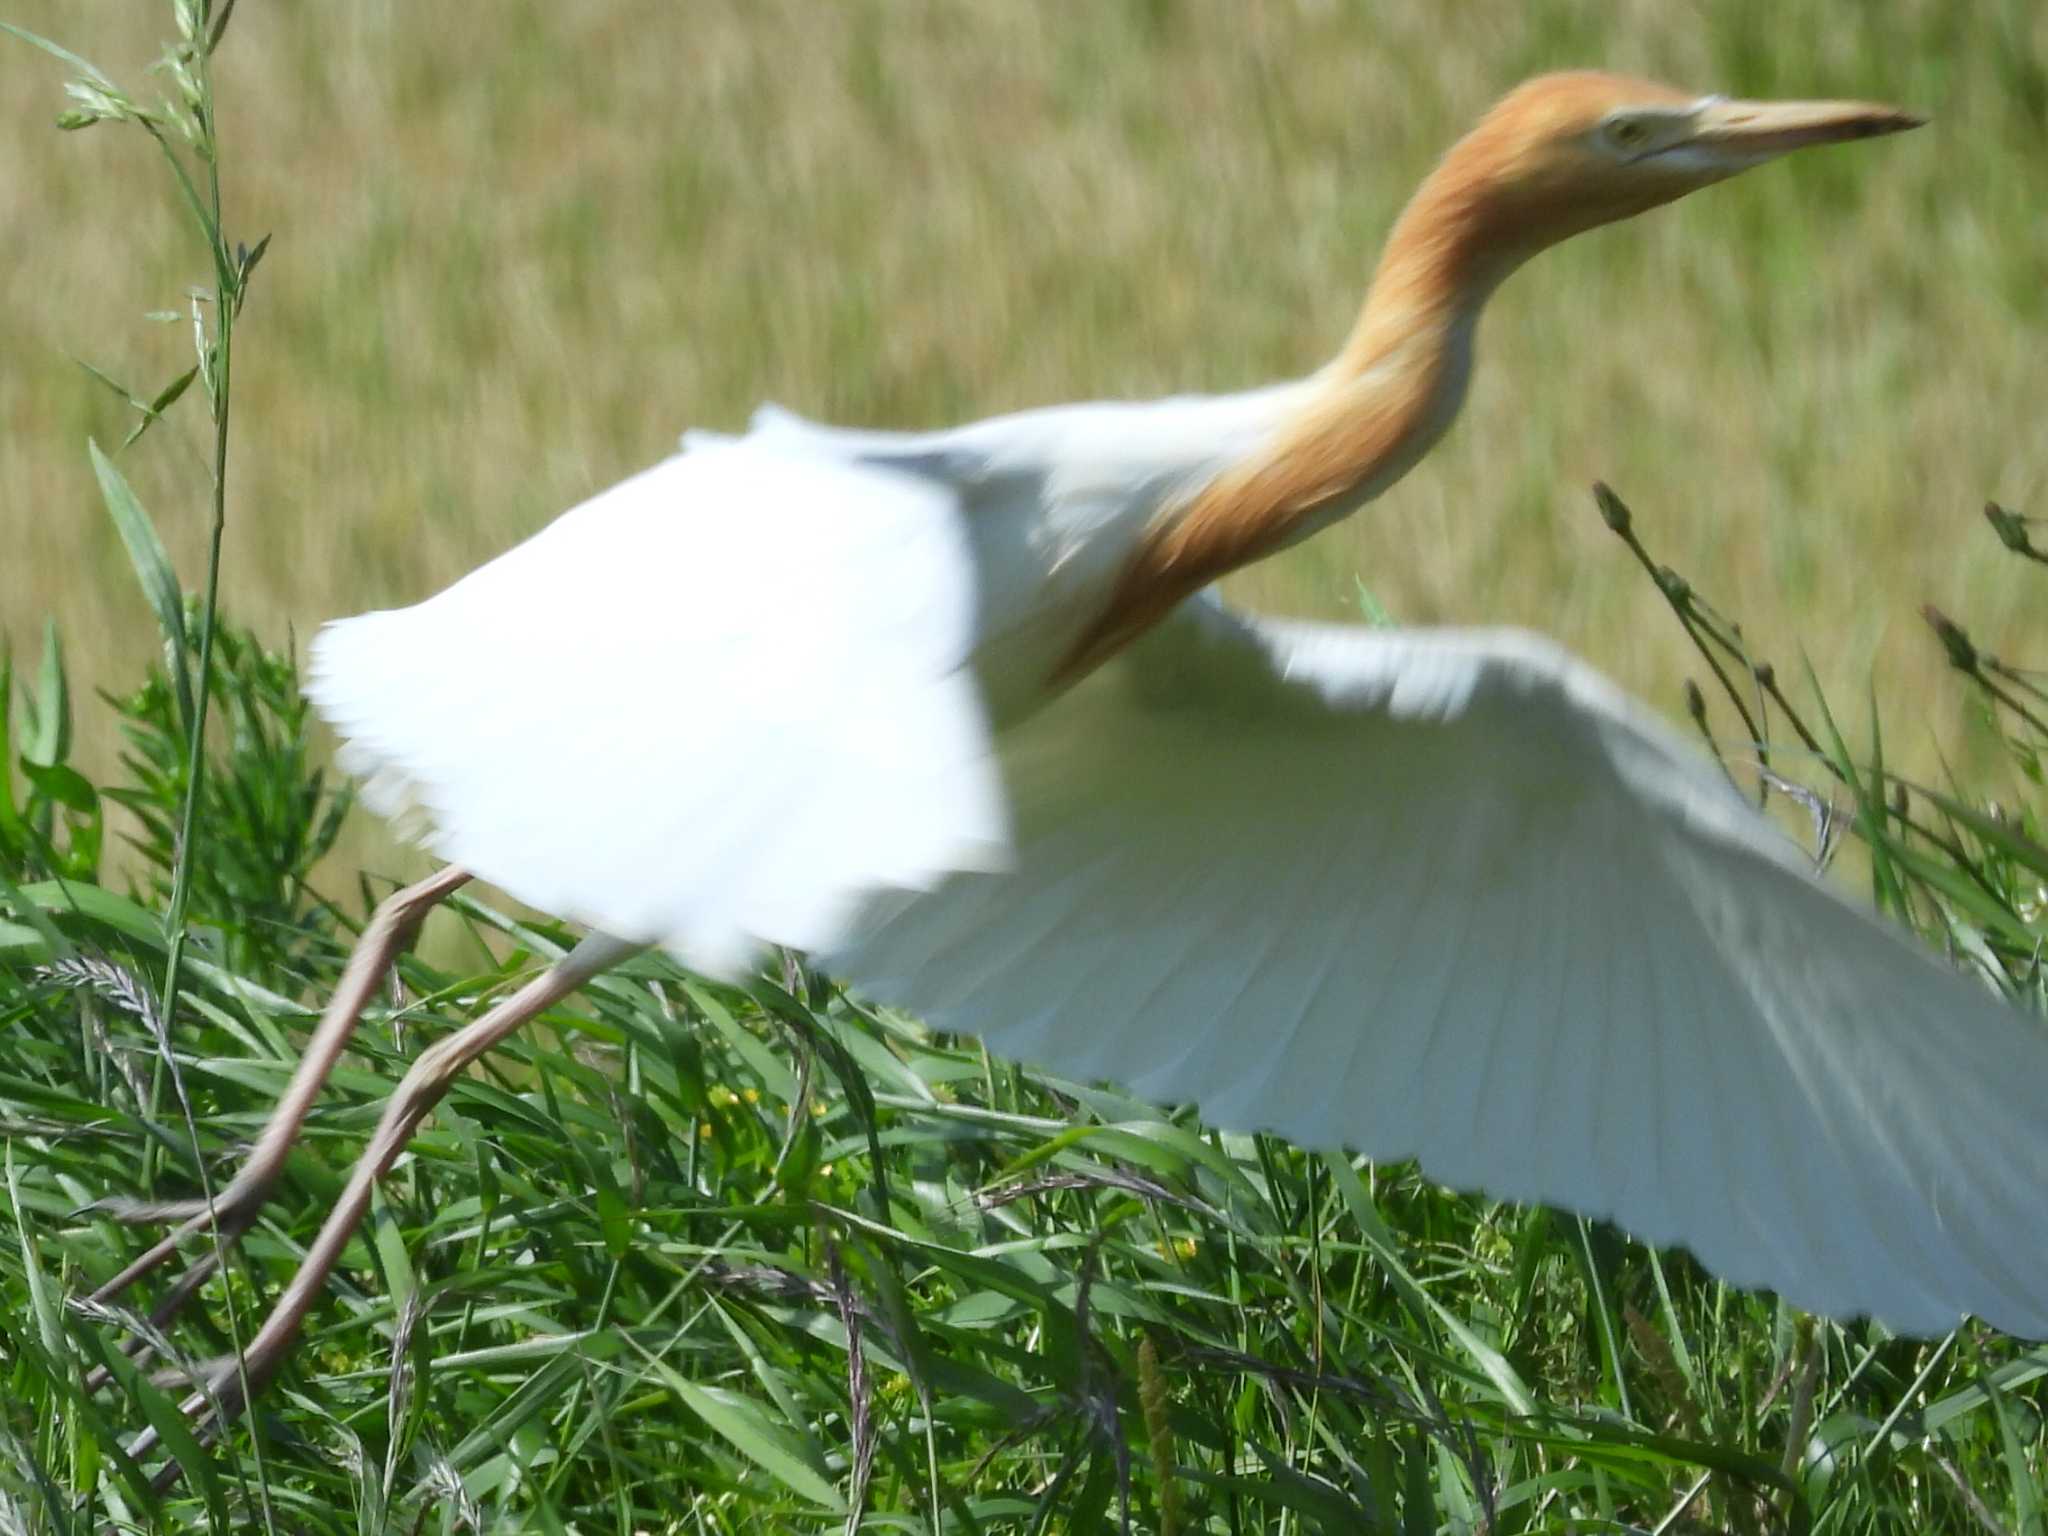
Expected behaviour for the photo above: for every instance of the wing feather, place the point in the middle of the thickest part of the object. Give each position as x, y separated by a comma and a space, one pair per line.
604, 723
1451, 895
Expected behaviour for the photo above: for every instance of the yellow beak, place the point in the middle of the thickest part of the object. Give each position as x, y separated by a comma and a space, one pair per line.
1758, 129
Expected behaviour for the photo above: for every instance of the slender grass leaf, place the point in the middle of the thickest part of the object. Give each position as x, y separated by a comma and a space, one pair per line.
1385, 1247
58, 51
179, 1443
536, 1393
160, 402
42, 1302
23, 945
63, 785
93, 902
1374, 611
1871, 812
57, 1103
2003, 836
13, 835
2013, 1442
1945, 1411
388, 1239
747, 1427
100, 375
59, 1383
153, 569
1968, 896
773, 1383
50, 735
32, 912
247, 259
1288, 1492
1418, 1498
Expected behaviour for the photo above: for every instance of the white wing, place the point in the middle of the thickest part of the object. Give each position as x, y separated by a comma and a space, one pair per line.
713, 706
1451, 895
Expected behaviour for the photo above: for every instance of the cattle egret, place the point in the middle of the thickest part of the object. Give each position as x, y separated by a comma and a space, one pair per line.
950, 711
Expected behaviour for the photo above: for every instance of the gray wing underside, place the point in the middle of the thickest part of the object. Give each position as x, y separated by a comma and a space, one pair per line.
1450, 895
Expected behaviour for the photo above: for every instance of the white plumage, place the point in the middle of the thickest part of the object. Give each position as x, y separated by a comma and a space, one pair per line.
810, 734
1450, 895
1445, 894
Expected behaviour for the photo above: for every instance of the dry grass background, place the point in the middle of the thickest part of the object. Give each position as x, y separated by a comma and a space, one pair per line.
520, 246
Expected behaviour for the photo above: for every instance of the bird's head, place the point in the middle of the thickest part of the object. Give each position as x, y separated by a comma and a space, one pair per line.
1563, 153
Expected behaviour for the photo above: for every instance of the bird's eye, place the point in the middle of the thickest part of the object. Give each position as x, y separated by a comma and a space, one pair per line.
1628, 132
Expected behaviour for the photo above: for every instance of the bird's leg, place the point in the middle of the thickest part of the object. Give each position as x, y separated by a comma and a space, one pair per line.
234, 1209
422, 1088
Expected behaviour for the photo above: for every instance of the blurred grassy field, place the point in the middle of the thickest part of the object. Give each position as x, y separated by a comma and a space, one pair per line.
516, 253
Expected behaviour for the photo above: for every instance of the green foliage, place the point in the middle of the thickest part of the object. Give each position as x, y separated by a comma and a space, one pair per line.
51, 820
691, 1257
1965, 868
268, 808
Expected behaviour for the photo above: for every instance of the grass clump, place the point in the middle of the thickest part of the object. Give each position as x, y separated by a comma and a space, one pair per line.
693, 1257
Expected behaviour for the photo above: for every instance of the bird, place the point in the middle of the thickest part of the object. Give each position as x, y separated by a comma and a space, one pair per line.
958, 714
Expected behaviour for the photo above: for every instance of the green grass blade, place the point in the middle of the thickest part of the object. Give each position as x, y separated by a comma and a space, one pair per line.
13, 836
58, 51
745, 1424
153, 410
1385, 1247
153, 570
50, 734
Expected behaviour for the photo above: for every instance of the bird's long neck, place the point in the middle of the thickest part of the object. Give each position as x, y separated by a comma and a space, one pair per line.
1446, 254
1374, 411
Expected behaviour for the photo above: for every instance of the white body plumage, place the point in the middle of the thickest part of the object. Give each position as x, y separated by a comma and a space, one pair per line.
1445, 894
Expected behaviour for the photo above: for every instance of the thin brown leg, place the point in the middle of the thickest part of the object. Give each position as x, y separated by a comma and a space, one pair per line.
235, 1208
429, 1078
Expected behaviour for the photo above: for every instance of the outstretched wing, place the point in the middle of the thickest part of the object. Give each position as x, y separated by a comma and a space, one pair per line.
1450, 895
716, 705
